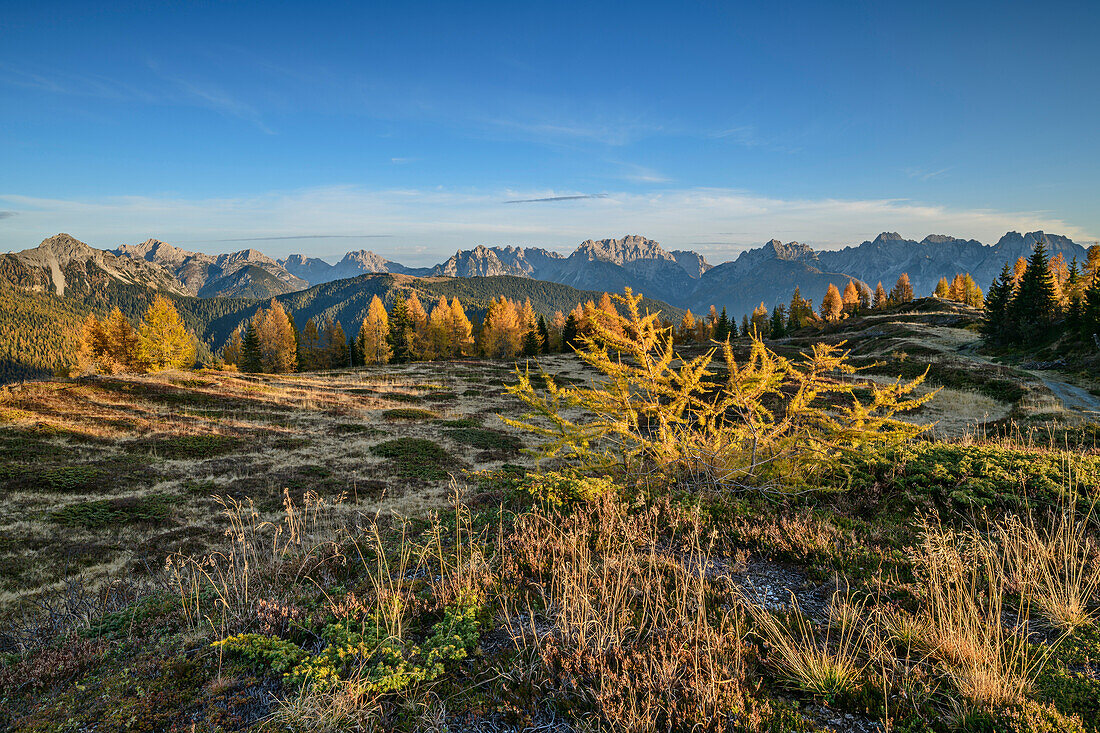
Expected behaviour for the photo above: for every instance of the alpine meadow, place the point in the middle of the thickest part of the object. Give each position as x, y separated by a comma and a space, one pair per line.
559, 368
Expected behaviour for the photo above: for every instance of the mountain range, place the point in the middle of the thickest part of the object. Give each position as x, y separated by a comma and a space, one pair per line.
682, 278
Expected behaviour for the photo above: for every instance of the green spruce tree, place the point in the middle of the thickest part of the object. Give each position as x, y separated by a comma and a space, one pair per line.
569, 334
1090, 310
544, 335
1074, 298
778, 325
997, 301
1035, 305
399, 329
532, 345
722, 327
251, 359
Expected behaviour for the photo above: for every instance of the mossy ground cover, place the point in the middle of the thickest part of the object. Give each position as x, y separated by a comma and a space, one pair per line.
108, 513
416, 458
409, 413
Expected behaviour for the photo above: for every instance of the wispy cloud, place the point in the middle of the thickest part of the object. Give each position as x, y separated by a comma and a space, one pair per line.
545, 121
7, 214
214, 97
749, 136
641, 174
923, 174
403, 161
179, 91
558, 198
425, 225
300, 236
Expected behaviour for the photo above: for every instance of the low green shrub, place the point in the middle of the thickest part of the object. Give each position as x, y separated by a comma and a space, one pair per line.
485, 439
976, 474
268, 653
151, 509
566, 489
360, 656
409, 413
179, 447
416, 458
402, 397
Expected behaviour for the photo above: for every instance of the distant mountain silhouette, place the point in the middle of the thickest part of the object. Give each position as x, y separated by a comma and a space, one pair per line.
683, 278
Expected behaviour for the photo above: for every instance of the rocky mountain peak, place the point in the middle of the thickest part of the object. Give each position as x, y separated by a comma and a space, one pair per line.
66, 247
793, 251
693, 263
889, 237
366, 259
630, 248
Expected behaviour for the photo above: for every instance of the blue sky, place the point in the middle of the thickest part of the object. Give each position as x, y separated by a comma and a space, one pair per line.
415, 129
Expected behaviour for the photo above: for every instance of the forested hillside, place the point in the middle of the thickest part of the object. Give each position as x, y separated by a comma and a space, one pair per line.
40, 331
347, 300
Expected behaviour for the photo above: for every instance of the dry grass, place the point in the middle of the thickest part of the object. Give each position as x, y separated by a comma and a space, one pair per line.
827, 663
630, 625
1055, 563
987, 658
246, 436
261, 562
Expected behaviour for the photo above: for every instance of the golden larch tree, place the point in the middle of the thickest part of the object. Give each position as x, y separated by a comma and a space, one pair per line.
278, 349
903, 290
439, 331
687, 327
233, 350
462, 331
851, 297
122, 343
759, 320
419, 346
832, 305
881, 301
94, 354
163, 341
557, 325
374, 334
501, 331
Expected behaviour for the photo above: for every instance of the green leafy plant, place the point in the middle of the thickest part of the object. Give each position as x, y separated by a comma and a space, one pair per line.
360, 657
566, 489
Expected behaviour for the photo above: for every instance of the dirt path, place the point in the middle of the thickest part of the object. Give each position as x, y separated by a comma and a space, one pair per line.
965, 344
1073, 398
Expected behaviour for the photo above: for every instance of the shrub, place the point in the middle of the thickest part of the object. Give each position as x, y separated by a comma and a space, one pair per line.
266, 652
415, 458
976, 474
773, 424
361, 657
409, 413
401, 396
150, 509
567, 489
179, 447
485, 439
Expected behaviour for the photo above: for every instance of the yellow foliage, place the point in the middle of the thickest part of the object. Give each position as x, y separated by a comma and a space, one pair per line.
771, 424
163, 341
